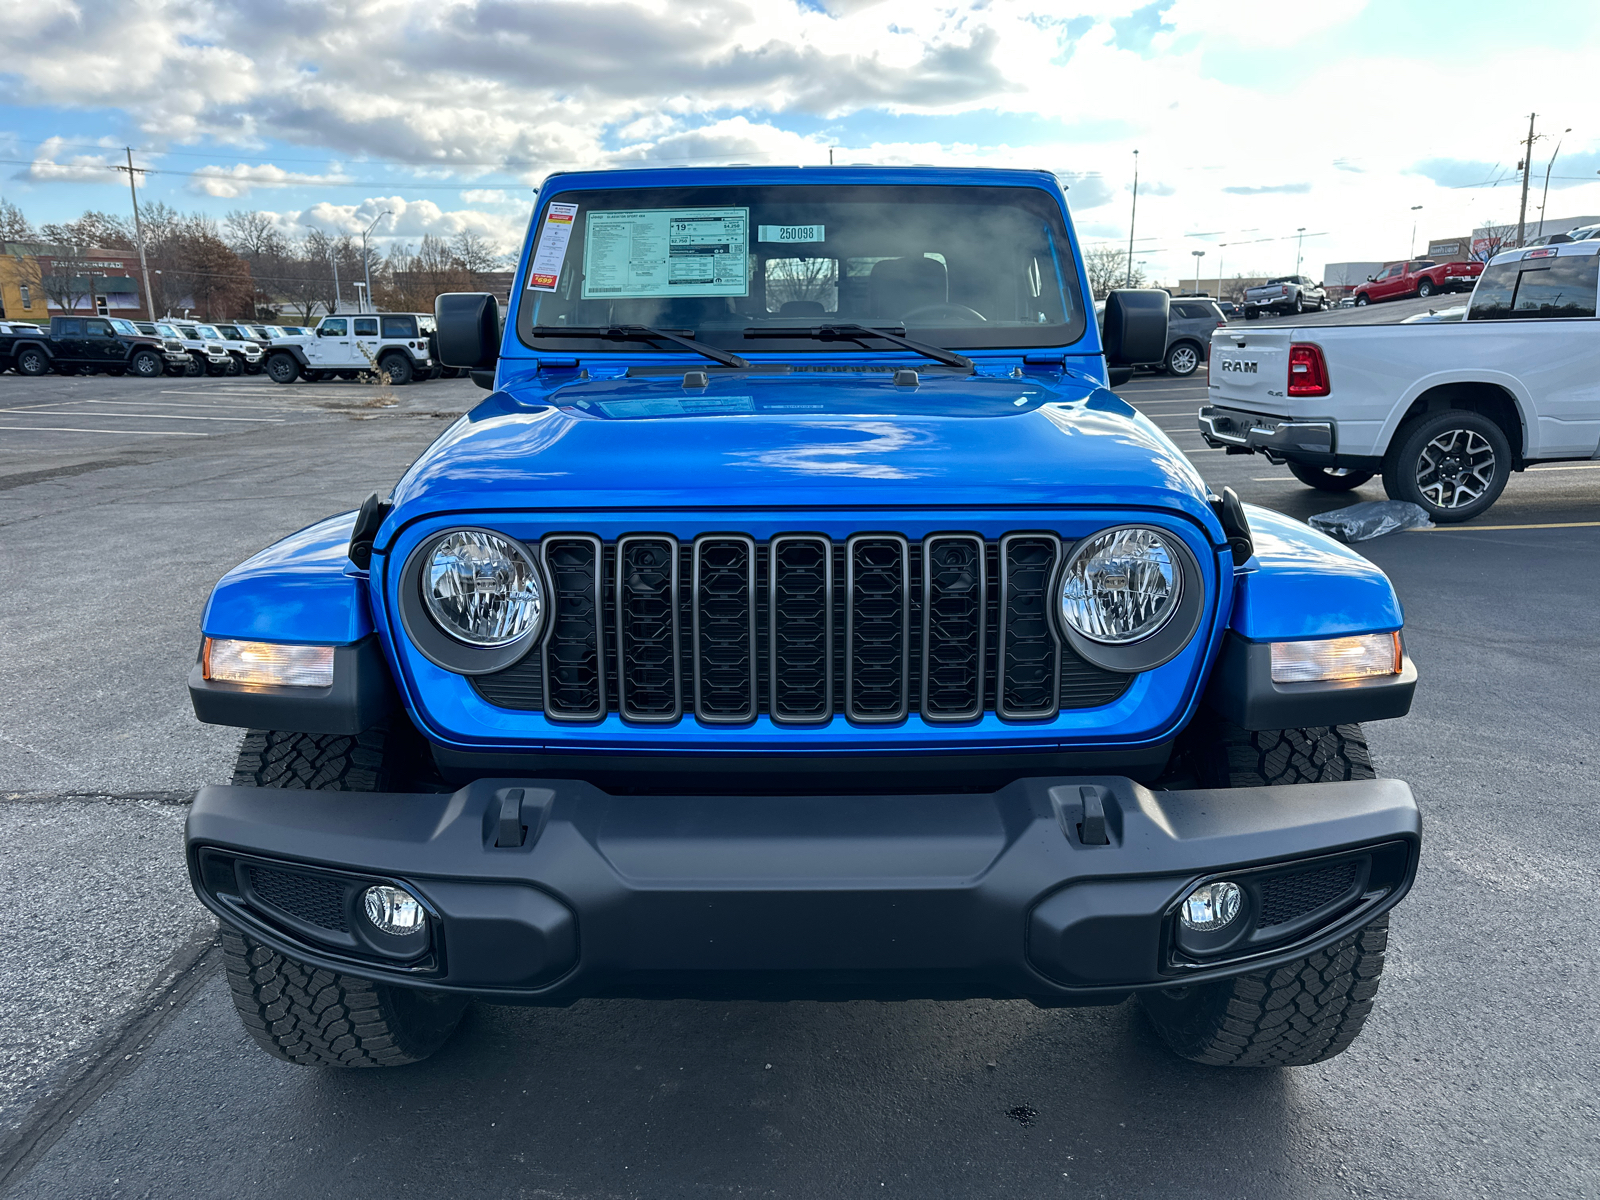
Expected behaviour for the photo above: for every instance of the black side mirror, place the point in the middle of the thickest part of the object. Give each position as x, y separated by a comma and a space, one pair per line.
1117, 376
1135, 328
469, 332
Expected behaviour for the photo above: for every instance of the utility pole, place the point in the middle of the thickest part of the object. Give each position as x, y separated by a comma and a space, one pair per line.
1134, 217
1412, 253
138, 232
1544, 198
1527, 165
1299, 241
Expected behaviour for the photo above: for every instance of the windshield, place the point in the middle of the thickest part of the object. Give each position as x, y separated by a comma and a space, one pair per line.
1537, 287
209, 331
953, 266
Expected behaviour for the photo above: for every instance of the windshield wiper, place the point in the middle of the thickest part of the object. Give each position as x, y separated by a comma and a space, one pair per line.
639, 333
851, 332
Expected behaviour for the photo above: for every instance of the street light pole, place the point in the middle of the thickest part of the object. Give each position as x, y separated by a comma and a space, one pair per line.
1134, 216
1412, 253
1547, 170
366, 266
1299, 243
1198, 255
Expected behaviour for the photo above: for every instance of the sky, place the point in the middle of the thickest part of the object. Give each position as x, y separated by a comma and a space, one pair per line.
1263, 127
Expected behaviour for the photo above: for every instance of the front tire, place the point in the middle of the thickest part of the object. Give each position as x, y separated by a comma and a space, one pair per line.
1454, 465
1306, 1011
309, 1015
282, 368
1329, 479
1183, 359
147, 364
1362, 301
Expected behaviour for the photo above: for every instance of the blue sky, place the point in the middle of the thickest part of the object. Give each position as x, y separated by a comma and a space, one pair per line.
1254, 119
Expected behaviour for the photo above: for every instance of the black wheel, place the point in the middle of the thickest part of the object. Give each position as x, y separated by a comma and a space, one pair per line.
1454, 464
235, 366
194, 368
1183, 359
1251, 314
1362, 301
147, 364
216, 370
254, 368
398, 367
33, 361
1329, 479
282, 368
1306, 1011
309, 1015
1424, 287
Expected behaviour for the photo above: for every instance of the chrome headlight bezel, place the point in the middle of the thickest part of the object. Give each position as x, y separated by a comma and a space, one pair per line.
445, 649
1161, 644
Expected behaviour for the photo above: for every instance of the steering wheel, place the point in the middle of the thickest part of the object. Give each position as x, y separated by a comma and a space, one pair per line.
944, 314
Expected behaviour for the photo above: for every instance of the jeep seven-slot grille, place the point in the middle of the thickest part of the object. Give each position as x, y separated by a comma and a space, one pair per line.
802, 629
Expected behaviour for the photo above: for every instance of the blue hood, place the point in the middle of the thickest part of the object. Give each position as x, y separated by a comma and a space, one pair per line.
797, 441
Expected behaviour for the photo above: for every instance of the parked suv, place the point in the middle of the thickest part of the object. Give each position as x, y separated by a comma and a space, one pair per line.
172, 341
1286, 294
800, 616
206, 350
394, 343
1189, 335
244, 344
85, 345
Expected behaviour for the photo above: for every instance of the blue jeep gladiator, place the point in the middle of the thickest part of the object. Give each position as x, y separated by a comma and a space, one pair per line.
801, 616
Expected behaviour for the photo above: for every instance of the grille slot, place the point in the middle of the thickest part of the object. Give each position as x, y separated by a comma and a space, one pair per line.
800, 586
1029, 684
574, 674
306, 898
955, 591
725, 628
647, 628
802, 629
1289, 897
877, 627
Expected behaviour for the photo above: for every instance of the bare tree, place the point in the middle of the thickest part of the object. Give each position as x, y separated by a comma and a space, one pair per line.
65, 280
14, 227
1491, 239
813, 279
475, 254
96, 230
1108, 269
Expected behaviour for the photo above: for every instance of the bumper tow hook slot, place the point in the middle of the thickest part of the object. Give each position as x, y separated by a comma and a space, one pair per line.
511, 831
1092, 830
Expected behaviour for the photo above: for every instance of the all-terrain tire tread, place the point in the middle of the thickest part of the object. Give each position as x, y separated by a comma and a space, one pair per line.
310, 762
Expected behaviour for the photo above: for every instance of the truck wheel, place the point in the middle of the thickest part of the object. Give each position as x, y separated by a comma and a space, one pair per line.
194, 368
1251, 314
399, 368
309, 1015
147, 364
1303, 1012
33, 362
282, 368
1298, 307
235, 366
1453, 464
1183, 359
1329, 479
1424, 287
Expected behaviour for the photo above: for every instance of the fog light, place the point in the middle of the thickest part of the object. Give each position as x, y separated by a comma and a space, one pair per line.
1210, 906
230, 660
393, 910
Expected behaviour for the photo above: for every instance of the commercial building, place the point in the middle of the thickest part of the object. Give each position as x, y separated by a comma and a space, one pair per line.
38, 281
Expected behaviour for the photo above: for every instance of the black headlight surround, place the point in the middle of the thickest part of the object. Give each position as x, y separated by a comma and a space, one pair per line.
1160, 647
437, 646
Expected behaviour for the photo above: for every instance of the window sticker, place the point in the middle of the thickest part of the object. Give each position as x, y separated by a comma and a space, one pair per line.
544, 272
791, 233
659, 252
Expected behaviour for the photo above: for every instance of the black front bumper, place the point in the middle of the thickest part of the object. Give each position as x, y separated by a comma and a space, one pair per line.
1018, 893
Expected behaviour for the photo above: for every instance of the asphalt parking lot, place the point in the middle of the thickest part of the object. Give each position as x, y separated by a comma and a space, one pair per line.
123, 1071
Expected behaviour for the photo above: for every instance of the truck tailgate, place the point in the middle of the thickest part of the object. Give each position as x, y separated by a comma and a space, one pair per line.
1250, 370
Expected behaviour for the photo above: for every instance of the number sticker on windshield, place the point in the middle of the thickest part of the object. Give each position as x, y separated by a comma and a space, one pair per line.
648, 253
790, 233
545, 270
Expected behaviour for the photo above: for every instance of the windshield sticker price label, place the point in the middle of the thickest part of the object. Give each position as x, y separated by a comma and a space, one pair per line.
544, 272
651, 253
791, 233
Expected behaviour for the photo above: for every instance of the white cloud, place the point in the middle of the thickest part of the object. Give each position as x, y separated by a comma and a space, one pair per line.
241, 179
50, 165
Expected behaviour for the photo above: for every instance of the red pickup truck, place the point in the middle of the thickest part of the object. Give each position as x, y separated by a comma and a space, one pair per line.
1418, 279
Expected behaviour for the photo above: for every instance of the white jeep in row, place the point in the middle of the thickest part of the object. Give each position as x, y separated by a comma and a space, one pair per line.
398, 344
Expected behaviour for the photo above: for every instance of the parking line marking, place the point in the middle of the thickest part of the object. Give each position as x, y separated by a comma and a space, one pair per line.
1579, 467
181, 404
156, 416
1470, 528
125, 432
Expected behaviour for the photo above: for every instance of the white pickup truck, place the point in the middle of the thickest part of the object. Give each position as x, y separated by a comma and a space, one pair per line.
1444, 412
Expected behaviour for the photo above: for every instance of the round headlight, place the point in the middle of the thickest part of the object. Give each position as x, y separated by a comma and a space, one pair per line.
482, 589
1121, 586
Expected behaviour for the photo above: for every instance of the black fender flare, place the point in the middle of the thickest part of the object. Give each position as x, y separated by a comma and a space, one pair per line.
35, 343
296, 352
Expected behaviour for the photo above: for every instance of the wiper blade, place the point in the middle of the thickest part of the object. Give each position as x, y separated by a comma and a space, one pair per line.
640, 333
851, 332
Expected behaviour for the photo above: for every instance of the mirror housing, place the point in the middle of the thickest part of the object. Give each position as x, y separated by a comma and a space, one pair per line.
1117, 376
469, 330
1135, 329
